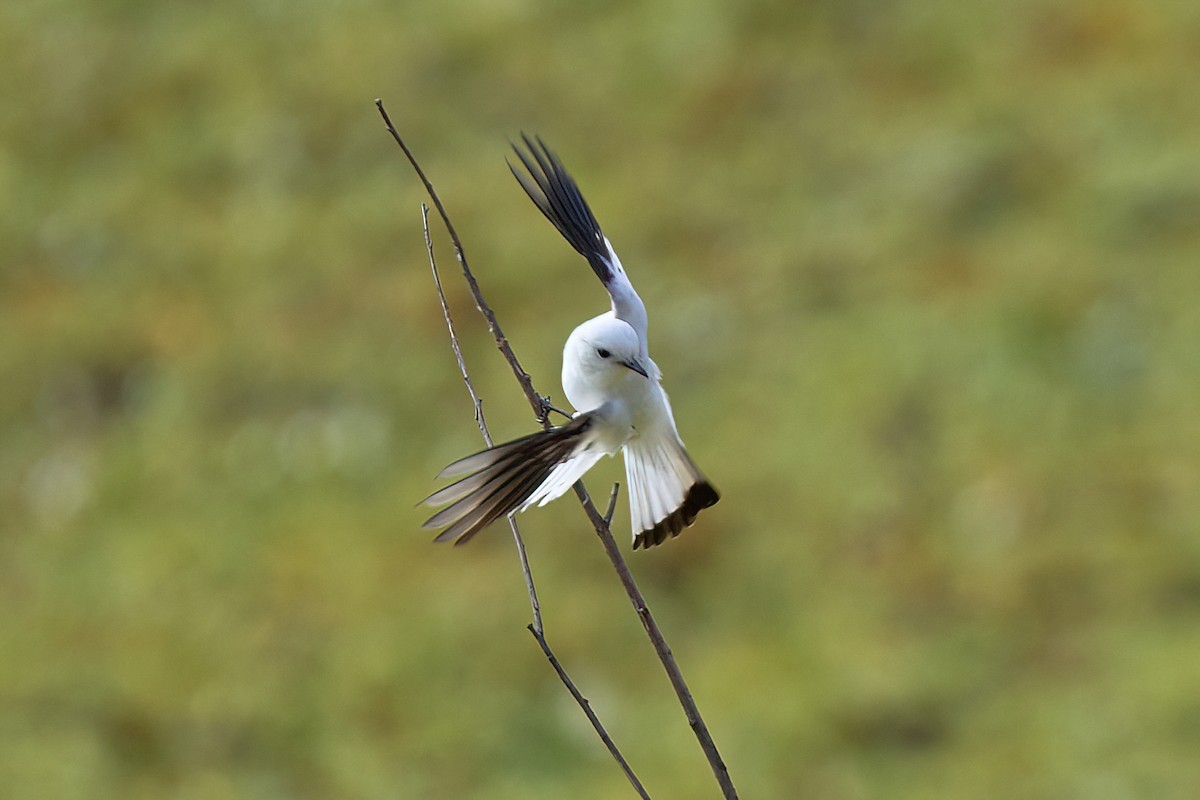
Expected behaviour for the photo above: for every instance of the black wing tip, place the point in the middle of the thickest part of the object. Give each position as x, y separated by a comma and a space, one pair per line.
557, 196
537, 148
699, 497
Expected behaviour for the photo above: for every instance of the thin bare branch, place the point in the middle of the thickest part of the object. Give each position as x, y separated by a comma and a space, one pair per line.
587, 709
612, 504
530, 587
720, 771
454, 345
535, 400
682, 692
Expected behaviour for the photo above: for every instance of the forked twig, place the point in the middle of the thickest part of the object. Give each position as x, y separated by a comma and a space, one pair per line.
536, 628
599, 523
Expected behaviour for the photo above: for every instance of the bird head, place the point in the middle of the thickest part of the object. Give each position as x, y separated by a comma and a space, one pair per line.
607, 349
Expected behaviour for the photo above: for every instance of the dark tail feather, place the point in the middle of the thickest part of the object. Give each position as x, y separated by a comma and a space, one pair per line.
666, 489
501, 479
554, 192
699, 497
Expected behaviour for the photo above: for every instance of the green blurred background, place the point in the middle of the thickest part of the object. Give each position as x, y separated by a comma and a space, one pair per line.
923, 281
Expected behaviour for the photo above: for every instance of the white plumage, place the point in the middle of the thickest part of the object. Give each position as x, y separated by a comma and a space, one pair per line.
611, 381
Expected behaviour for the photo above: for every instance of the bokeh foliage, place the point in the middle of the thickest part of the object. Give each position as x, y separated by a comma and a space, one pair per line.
923, 281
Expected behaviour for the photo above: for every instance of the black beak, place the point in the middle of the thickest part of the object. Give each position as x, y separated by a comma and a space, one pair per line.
636, 366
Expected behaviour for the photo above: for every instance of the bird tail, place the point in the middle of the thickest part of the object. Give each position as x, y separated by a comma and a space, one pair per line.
510, 477
666, 489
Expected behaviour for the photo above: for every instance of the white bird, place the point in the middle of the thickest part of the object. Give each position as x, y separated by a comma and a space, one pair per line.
614, 386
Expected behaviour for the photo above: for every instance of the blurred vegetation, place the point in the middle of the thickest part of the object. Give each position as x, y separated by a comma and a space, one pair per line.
923, 280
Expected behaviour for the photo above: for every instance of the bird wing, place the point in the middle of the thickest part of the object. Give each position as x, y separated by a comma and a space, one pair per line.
555, 193
511, 477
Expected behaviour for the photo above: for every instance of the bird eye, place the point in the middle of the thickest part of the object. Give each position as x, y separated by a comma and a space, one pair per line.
600, 351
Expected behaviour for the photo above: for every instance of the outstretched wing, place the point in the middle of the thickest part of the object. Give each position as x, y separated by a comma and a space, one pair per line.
510, 477
555, 193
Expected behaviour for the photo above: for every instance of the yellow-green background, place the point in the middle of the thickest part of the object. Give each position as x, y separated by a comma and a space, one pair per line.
924, 280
